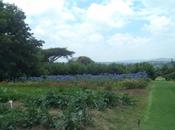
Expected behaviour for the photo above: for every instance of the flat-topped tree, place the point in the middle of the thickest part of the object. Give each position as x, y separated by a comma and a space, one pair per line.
53, 54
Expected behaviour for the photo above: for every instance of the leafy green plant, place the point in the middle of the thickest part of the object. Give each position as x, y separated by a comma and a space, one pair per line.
9, 118
58, 100
74, 109
111, 98
6, 95
31, 118
132, 84
74, 118
126, 100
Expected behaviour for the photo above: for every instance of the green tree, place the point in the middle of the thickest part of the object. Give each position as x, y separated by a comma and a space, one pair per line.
53, 54
19, 50
143, 67
82, 60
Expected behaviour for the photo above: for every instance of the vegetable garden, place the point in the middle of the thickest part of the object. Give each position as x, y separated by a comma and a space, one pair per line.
64, 105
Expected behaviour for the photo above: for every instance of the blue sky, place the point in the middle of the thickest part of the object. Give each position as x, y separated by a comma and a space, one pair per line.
104, 30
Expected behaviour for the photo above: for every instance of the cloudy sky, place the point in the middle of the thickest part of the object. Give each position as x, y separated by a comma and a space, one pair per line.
104, 30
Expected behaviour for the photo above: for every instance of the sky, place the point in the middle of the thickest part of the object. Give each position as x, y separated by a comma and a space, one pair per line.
104, 30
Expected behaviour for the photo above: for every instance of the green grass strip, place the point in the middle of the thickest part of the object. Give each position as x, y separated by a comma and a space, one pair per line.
160, 114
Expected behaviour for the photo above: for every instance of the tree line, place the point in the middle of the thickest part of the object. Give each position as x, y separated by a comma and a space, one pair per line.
97, 68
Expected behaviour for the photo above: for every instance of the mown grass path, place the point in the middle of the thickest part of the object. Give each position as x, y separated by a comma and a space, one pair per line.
160, 114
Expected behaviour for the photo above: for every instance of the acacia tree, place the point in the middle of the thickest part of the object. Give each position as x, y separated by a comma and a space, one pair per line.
53, 54
18, 48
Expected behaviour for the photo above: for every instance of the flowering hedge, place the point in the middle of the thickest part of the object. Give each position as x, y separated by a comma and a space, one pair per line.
139, 75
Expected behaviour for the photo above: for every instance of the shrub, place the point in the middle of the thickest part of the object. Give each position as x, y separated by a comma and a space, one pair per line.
170, 76
9, 118
74, 117
111, 98
126, 100
31, 117
132, 84
7, 94
57, 100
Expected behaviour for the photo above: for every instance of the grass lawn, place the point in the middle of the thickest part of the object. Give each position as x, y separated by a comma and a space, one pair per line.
160, 114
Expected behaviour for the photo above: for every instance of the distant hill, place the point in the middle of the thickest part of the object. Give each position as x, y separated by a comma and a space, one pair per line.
161, 61
155, 62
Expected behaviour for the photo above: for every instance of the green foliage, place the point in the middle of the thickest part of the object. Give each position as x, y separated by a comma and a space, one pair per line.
35, 116
170, 76
132, 84
78, 68
56, 100
111, 99
95, 68
4, 109
7, 94
143, 67
53, 54
90, 98
82, 60
74, 112
9, 118
19, 49
73, 105
75, 117
125, 100
167, 71
31, 118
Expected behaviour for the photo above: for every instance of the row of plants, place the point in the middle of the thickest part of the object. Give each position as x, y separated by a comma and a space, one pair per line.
16, 91
110, 84
73, 110
139, 75
97, 69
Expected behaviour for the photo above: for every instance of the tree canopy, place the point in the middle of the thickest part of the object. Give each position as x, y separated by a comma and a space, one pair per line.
82, 60
53, 54
18, 47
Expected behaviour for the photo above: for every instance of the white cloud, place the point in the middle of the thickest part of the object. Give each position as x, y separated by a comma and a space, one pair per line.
126, 46
165, 5
160, 19
37, 7
112, 14
99, 31
127, 39
159, 24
